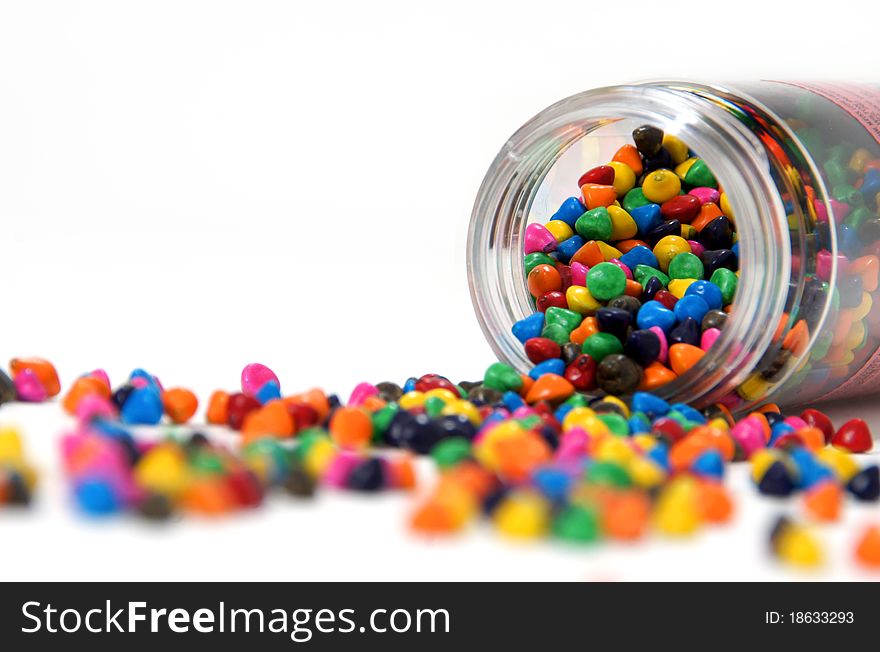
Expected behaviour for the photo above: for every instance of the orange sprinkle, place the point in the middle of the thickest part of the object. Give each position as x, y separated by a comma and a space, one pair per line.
180, 404
684, 356
629, 155
351, 427
218, 408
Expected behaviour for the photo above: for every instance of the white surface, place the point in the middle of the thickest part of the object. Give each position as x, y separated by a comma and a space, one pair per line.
344, 536
191, 186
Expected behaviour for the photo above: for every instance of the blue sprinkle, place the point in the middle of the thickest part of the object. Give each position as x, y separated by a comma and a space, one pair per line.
568, 248
552, 366
871, 185
551, 482
810, 470
147, 376
778, 430
848, 240
143, 406
647, 218
95, 496
640, 255
653, 406
709, 292
526, 329
688, 412
639, 423
660, 454
709, 464
570, 210
512, 401
654, 313
562, 411
268, 392
691, 306
409, 385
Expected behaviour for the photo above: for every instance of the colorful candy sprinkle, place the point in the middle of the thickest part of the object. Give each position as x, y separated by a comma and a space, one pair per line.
628, 245
17, 477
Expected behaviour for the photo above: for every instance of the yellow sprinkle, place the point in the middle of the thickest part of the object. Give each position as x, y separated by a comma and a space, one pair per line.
522, 515
799, 547
682, 168
559, 230
608, 252
412, 399
581, 301
623, 226
677, 149
442, 393
624, 178
678, 286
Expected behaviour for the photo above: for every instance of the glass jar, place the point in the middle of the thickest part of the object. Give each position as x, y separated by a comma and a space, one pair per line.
800, 164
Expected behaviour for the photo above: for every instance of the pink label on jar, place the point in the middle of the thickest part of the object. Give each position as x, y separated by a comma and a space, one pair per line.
863, 104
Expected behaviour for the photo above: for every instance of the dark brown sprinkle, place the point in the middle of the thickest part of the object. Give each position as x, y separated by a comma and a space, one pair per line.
777, 366
389, 392
618, 375
7, 388
648, 139
299, 483
484, 396
714, 319
626, 302
18, 495
156, 507
196, 440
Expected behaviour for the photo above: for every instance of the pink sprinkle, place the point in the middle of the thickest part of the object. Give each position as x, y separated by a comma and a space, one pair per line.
572, 444
731, 401
254, 376
706, 195
664, 345
710, 335
839, 209
340, 468
579, 274
749, 434
796, 422
825, 264
696, 248
523, 412
361, 393
821, 211
538, 239
29, 388
94, 406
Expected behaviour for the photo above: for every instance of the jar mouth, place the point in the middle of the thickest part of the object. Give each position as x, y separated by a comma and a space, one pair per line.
505, 200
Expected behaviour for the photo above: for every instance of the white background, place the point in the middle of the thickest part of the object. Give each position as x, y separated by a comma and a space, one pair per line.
191, 186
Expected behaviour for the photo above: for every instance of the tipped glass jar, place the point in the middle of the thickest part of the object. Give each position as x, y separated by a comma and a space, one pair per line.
800, 166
